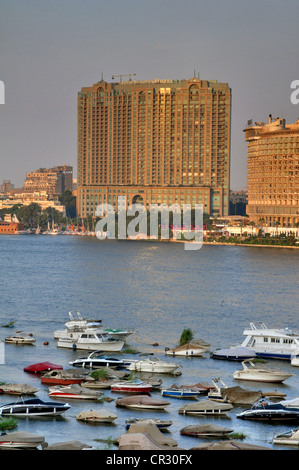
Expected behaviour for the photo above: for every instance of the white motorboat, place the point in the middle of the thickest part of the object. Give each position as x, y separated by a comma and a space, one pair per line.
153, 365
142, 402
74, 391
96, 360
270, 343
91, 340
260, 374
290, 438
77, 325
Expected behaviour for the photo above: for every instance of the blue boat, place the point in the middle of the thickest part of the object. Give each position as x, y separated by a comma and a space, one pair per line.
182, 392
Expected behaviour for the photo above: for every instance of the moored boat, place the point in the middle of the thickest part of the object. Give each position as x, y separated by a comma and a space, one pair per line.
96, 360
188, 350
142, 402
20, 339
237, 353
263, 410
96, 416
33, 408
41, 367
20, 440
131, 386
153, 365
206, 407
74, 391
257, 373
270, 343
290, 438
18, 389
91, 340
206, 430
61, 377
182, 392
160, 423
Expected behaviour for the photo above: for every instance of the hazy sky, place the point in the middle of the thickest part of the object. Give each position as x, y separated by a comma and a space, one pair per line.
50, 49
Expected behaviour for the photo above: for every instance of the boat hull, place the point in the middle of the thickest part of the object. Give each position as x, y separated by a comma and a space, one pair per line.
109, 346
180, 394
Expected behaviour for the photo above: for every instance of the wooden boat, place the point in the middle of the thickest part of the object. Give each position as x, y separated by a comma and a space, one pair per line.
96, 416
143, 402
33, 408
260, 374
74, 391
131, 386
206, 407
188, 350
41, 367
18, 389
20, 440
61, 377
20, 339
206, 430
161, 424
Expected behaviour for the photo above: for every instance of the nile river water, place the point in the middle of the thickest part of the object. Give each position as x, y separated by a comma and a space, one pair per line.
155, 289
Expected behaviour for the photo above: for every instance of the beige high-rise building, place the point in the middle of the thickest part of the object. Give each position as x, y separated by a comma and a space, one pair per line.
273, 172
53, 181
155, 142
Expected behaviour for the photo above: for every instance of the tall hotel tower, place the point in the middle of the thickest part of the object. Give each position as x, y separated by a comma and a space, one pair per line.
155, 142
273, 172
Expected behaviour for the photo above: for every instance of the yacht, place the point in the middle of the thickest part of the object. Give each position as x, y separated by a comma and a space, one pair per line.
270, 343
91, 340
77, 324
260, 374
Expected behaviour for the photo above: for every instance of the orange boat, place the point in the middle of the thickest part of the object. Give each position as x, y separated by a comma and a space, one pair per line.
61, 377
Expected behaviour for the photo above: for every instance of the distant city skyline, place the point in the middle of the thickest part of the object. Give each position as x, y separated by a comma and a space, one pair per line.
49, 50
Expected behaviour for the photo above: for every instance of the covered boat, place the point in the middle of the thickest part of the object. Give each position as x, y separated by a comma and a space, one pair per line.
206, 407
61, 377
206, 430
41, 367
153, 365
234, 395
96, 360
257, 373
96, 416
20, 440
155, 433
189, 349
131, 386
142, 402
74, 391
18, 389
265, 411
290, 438
33, 408
161, 424
237, 353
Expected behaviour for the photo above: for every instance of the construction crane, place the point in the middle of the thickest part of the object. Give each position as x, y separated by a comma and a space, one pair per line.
121, 76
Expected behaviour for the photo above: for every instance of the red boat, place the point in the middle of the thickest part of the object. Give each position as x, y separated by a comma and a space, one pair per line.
42, 367
61, 377
131, 386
